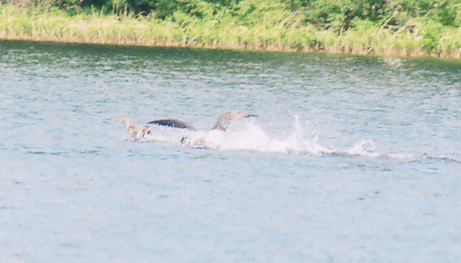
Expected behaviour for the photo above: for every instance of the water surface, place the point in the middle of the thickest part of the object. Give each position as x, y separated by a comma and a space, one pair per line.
352, 159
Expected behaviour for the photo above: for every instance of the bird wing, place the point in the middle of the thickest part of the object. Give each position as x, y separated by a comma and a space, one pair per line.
173, 123
226, 119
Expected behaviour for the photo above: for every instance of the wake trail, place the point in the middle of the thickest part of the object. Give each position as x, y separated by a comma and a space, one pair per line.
248, 136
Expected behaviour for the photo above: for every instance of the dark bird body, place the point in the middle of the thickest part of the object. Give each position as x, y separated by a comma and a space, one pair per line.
222, 123
173, 123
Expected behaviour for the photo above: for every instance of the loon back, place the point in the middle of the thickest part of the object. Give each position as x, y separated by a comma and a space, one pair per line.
173, 123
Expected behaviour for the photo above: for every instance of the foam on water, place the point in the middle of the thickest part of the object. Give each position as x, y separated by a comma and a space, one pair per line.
250, 136
245, 136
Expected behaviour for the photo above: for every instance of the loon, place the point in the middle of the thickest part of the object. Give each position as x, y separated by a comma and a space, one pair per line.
222, 123
136, 132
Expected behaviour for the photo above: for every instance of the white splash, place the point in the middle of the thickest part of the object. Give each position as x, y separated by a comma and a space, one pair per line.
249, 136
365, 148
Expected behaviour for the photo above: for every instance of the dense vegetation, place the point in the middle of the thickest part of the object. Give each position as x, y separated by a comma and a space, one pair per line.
360, 26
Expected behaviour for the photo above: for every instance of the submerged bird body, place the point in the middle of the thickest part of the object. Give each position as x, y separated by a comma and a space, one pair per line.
136, 132
145, 131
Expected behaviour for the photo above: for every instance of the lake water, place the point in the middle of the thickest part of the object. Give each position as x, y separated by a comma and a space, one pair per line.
351, 159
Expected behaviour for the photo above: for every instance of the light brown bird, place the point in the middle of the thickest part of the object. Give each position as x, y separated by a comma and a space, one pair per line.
136, 132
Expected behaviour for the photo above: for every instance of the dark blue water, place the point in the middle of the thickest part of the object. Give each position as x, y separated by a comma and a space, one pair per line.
351, 159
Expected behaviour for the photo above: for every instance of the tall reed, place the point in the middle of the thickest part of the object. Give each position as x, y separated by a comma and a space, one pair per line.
279, 30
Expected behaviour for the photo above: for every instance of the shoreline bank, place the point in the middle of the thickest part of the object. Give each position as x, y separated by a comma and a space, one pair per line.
365, 39
250, 47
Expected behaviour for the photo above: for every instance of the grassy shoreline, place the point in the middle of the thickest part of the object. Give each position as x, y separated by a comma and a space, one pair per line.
123, 29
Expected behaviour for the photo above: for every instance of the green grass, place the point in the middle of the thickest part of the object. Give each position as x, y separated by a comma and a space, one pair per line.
275, 29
